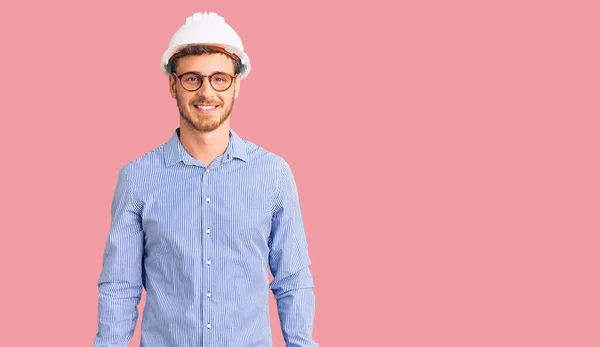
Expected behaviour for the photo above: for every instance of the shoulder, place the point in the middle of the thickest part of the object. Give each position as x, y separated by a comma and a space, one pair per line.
267, 159
138, 168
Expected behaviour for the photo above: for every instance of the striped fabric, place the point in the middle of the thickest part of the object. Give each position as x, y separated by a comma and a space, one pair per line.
201, 241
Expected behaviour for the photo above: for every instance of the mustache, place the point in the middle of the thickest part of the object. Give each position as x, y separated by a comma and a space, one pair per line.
203, 100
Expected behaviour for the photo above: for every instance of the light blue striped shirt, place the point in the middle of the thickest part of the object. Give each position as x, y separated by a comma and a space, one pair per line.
200, 241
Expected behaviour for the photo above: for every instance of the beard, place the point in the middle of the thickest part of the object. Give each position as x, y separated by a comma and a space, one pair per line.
203, 123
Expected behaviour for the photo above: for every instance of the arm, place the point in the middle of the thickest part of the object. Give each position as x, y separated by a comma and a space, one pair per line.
288, 258
120, 282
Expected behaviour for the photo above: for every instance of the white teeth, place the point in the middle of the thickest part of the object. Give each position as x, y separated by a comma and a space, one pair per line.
202, 107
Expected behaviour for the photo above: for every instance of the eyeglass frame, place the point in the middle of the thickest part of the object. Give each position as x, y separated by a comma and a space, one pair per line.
202, 77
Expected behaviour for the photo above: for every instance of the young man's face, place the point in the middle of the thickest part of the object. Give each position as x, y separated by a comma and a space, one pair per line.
205, 109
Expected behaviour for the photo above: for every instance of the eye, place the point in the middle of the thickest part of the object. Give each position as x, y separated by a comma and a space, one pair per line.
221, 79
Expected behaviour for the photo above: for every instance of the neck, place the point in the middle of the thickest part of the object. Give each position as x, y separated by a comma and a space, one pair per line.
204, 146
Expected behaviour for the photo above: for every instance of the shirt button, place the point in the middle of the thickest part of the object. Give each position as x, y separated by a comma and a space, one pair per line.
208, 262
208, 294
208, 325
208, 231
208, 199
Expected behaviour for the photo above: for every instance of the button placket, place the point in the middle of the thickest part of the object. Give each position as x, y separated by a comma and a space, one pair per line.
207, 249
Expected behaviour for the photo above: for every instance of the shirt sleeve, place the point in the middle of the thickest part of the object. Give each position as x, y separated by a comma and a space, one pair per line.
120, 281
292, 283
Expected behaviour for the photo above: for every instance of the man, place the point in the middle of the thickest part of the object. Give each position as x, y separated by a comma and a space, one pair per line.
199, 220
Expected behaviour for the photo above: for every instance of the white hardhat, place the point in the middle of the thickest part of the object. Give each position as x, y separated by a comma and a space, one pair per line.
207, 29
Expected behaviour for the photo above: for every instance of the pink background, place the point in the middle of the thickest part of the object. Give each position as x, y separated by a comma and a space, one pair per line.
446, 155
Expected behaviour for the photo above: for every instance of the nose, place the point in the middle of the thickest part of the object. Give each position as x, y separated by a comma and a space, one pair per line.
205, 89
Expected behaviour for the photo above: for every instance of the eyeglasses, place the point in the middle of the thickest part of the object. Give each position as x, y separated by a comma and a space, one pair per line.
192, 81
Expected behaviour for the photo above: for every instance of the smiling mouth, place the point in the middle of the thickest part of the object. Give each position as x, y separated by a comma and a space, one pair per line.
205, 108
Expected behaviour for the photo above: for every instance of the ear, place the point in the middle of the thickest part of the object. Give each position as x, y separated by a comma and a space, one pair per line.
237, 84
172, 86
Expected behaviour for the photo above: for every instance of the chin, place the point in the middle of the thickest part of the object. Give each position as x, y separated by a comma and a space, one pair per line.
207, 126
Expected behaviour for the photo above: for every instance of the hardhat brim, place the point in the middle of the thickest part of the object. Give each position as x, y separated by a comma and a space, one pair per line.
233, 50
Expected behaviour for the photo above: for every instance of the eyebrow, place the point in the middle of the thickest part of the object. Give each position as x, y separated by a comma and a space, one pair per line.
214, 72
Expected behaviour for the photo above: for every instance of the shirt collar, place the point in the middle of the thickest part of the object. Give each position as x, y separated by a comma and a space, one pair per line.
174, 151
